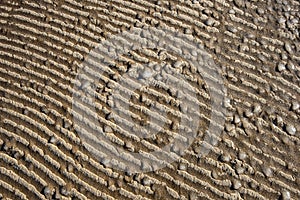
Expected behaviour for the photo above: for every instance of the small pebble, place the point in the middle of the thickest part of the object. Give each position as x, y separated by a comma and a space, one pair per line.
193, 196
242, 155
253, 185
290, 66
53, 140
147, 73
237, 119
120, 183
226, 103
239, 3
286, 140
105, 161
229, 127
281, 67
64, 191
188, 31
295, 105
236, 184
25, 111
279, 120
107, 129
146, 166
146, 181
67, 124
231, 11
267, 171
232, 29
129, 146
225, 158
240, 170
248, 113
257, 109
285, 195
70, 168
281, 20
214, 174
47, 191
44, 110
182, 166
209, 22
288, 47
260, 11
270, 110
291, 129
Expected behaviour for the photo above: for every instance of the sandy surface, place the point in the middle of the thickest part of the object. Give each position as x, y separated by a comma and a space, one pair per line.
254, 44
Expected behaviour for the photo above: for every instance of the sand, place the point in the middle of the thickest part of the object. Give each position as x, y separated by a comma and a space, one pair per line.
53, 148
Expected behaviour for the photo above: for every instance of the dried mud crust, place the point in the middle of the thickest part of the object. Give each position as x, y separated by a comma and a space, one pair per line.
256, 44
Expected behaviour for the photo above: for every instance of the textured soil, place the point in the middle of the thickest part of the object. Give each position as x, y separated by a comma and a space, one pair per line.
256, 45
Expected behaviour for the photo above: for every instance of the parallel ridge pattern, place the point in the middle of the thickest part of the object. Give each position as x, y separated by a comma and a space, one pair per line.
43, 43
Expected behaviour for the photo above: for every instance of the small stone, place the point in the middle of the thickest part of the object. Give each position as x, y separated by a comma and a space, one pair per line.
295, 105
197, 149
39, 88
112, 188
242, 155
107, 129
290, 129
209, 22
226, 103
237, 119
53, 140
232, 29
70, 168
267, 171
239, 3
248, 113
257, 109
183, 108
127, 179
120, 183
146, 73
146, 181
225, 158
194, 53
290, 66
67, 124
146, 166
188, 31
18, 155
253, 185
281, 20
105, 161
240, 170
44, 110
231, 11
57, 195
260, 11
281, 67
129, 146
288, 47
270, 110
279, 120
214, 174
64, 191
236, 184
182, 166
25, 111
193, 196
47, 191
285, 195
